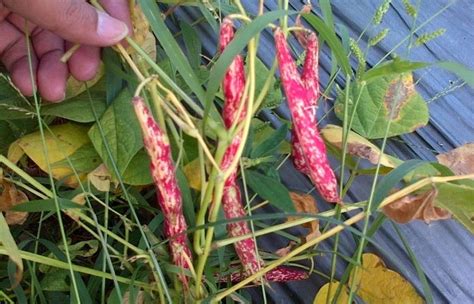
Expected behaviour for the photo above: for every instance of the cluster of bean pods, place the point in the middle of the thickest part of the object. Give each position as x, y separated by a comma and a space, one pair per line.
233, 112
302, 93
309, 154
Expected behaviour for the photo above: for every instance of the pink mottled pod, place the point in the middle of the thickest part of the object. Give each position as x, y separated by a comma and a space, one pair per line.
310, 78
169, 195
233, 86
305, 123
279, 274
234, 80
297, 154
310, 75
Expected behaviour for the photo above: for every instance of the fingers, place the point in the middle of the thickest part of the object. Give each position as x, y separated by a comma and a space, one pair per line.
119, 9
14, 55
85, 62
73, 20
52, 73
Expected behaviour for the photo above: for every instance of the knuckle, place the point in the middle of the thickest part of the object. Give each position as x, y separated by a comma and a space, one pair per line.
73, 9
71, 14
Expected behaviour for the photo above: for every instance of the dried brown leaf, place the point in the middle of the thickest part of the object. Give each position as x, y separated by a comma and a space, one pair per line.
304, 203
139, 298
142, 34
9, 198
100, 178
358, 146
416, 207
460, 160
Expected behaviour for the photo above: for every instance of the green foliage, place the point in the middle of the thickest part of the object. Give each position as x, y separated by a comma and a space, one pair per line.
116, 136
116, 251
410, 8
82, 108
12, 104
270, 189
457, 198
358, 54
379, 37
274, 96
427, 37
46, 205
385, 98
381, 11
331, 39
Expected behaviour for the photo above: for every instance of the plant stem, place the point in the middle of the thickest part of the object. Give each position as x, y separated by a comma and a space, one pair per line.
286, 225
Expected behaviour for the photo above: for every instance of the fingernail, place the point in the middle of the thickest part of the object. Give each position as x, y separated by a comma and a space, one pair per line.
111, 29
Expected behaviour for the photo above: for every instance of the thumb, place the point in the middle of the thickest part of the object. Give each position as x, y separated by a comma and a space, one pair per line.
73, 20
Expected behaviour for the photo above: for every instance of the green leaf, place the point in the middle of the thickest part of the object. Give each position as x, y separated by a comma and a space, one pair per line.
398, 66
382, 99
327, 13
79, 108
171, 47
463, 72
393, 67
117, 132
46, 205
392, 179
193, 44
113, 74
458, 200
188, 204
274, 96
6, 136
427, 170
138, 171
10, 130
270, 189
84, 159
8, 243
331, 39
261, 132
209, 17
56, 280
12, 104
270, 145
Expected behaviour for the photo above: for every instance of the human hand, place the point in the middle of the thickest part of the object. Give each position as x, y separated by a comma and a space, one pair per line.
53, 27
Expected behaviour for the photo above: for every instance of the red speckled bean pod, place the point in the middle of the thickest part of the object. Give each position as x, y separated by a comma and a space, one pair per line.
305, 123
279, 274
310, 78
233, 86
168, 192
310, 75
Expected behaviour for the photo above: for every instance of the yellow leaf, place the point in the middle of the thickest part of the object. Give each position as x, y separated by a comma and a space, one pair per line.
321, 297
64, 141
377, 284
192, 171
358, 146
